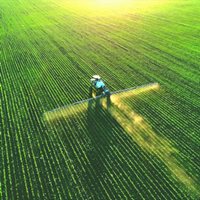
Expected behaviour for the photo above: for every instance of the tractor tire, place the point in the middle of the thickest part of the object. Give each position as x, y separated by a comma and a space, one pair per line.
90, 92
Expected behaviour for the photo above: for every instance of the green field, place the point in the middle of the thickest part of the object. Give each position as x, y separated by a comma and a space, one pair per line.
146, 146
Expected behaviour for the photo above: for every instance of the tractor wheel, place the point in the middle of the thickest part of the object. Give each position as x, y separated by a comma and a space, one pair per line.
108, 99
90, 92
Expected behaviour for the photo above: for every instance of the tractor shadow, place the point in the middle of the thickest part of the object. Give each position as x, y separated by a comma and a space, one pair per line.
100, 129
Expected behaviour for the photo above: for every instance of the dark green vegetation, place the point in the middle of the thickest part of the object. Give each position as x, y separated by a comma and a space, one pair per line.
48, 52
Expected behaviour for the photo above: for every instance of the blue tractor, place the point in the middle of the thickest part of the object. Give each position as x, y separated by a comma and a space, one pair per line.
98, 88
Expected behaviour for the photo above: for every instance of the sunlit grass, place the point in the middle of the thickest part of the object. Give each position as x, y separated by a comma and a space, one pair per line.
105, 8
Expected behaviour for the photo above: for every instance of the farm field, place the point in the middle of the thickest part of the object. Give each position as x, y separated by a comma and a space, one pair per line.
146, 145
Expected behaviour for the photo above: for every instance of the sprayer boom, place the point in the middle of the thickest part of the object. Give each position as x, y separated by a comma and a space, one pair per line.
65, 110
